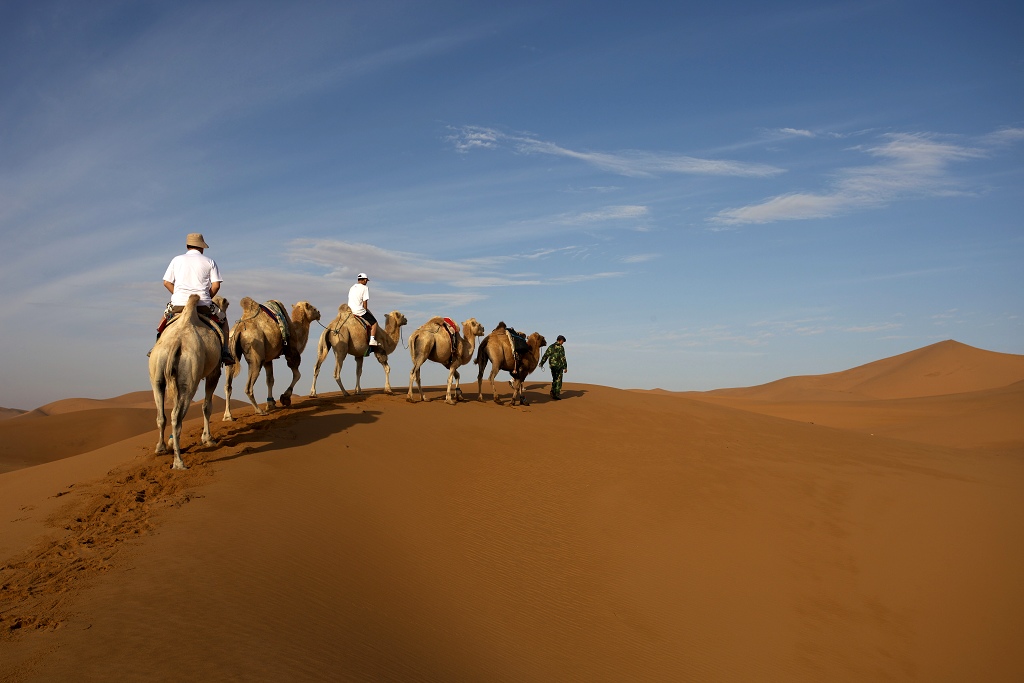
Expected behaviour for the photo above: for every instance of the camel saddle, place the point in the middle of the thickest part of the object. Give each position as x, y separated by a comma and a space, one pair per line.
207, 317
275, 309
453, 334
519, 347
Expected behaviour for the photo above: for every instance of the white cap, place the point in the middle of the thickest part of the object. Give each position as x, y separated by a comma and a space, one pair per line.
362, 276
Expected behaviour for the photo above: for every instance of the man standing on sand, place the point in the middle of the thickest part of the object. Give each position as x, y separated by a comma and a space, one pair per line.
555, 357
359, 302
195, 273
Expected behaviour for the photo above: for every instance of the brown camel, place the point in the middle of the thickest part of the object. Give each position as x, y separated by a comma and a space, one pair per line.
497, 349
257, 337
187, 352
433, 342
348, 336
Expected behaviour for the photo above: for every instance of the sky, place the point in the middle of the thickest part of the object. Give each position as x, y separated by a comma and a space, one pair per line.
697, 195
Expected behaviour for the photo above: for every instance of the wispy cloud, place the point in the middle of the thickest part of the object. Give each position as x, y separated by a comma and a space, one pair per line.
342, 260
796, 132
909, 165
609, 213
639, 258
636, 163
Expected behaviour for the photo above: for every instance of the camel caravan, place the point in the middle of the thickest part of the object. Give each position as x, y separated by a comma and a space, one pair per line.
193, 343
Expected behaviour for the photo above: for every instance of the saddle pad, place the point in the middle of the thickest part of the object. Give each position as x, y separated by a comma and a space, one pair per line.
275, 309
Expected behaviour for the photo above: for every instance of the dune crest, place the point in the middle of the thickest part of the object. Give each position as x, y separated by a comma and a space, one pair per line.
947, 367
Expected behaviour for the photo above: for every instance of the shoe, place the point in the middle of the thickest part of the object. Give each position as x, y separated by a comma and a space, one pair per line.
373, 342
557, 398
227, 360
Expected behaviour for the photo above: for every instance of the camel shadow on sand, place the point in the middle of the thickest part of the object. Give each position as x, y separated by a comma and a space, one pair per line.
304, 423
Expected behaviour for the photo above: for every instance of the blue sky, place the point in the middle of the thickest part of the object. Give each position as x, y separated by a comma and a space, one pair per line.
697, 195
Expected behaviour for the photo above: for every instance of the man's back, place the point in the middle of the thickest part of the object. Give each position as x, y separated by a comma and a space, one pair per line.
357, 294
192, 273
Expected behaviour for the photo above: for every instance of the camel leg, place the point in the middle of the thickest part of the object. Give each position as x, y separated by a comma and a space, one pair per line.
231, 372
161, 420
339, 358
177, 417
269, 365
480, 378
412, 380
211, 386
286, 397
321, 354
359, 374
448, 390
457, 386
495, 369
387, 377
254, 373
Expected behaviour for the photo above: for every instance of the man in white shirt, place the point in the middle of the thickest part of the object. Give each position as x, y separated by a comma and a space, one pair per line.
195, 273
359, 302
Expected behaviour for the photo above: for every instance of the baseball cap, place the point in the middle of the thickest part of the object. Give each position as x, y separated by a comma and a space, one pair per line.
362, 276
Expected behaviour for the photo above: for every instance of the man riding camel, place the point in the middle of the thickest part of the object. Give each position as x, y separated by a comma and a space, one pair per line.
359, 302
195, 273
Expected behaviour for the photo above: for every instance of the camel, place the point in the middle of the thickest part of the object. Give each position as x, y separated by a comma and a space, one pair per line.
187, 352
257, 337
497, 349
432, 342
348, 336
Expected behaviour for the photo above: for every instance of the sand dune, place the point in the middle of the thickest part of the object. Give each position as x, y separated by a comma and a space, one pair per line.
947, 367
611, 536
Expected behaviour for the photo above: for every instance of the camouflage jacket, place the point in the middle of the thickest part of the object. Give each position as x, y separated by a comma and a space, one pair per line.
555, 357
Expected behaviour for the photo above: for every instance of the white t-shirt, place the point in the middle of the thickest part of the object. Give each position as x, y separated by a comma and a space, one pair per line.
356, 296
192, 273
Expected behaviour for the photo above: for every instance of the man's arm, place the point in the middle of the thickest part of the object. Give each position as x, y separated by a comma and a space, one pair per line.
169, 286
214, 288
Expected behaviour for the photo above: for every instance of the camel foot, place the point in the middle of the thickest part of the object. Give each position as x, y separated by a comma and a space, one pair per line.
177, 466
451, 402
313, 395
227, 418
211, 442
286, 400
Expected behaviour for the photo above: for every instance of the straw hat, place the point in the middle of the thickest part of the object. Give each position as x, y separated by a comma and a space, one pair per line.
195, 239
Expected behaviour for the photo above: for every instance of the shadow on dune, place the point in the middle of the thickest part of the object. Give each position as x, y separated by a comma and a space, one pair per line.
541, 393
319, 420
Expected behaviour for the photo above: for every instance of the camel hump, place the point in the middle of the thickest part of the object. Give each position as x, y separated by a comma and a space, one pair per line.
249, 307
501, 326
344, 308
188, 311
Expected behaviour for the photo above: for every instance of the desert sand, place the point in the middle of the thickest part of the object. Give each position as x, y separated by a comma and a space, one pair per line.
862, 526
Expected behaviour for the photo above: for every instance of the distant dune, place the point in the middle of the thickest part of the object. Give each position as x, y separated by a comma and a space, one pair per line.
10, 412
866, 525
947, 367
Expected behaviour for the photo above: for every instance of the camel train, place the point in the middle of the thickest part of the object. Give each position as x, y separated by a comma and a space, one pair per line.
188, 351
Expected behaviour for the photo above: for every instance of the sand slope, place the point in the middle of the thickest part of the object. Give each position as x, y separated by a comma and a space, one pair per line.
611, 536
947, 367
72, 426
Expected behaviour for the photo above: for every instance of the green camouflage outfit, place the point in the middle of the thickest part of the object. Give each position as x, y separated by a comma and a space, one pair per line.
556, 355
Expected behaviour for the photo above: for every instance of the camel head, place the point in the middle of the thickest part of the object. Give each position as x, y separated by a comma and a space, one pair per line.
395, 318
473, 327
537, 341
305, 312
222, 304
